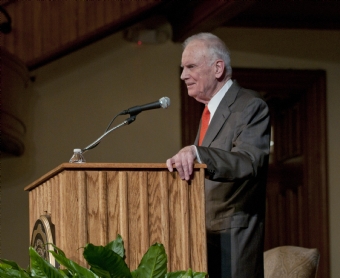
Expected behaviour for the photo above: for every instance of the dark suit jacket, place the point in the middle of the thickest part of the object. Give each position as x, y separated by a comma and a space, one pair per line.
236, 151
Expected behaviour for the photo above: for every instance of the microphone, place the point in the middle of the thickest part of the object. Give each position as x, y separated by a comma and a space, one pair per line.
163, 102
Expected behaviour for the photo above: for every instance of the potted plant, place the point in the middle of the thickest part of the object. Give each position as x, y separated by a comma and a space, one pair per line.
104, 261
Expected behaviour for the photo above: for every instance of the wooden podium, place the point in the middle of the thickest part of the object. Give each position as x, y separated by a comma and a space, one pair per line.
144, 203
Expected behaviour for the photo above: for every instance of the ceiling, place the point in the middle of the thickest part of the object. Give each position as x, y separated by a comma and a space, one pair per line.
185, 17
194, 16
290, 14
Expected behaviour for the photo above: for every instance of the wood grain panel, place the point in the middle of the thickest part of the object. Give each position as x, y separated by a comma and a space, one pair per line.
143, 186
143, 205
97, 207
81, 19
45, 30
316, 180
65, 27
99, 12
178, 215
82, 224
113, 206
33, 195
184, 229
111, 12
34, 51
123, 212
197, 243
135, 219
293, 220
48, 18
301, 210
62, 226
40, 207
48, 197
91, 16
103, 207
159, 209
71, 215
55, 203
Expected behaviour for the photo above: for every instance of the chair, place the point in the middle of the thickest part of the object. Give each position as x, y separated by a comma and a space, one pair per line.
291, 261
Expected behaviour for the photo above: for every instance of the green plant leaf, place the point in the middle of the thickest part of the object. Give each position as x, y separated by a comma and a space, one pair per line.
153, 263
200, 274
75, 269
10, 264
176, 274
105, 262
117, 246
103, 258
12, 273
188, 274
65, 273
100, 272
11, 269
41, 268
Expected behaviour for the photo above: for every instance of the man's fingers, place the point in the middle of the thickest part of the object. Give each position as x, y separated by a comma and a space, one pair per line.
188, 168
169, 164
191, 168
184, 161
184, 167
181, 169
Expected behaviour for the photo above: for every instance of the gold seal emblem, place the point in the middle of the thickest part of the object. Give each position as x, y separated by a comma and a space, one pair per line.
42, 235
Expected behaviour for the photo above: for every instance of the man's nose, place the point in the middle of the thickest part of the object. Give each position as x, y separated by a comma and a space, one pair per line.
183, 74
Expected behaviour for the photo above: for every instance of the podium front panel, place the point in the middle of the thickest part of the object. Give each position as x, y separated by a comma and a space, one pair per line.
144, 203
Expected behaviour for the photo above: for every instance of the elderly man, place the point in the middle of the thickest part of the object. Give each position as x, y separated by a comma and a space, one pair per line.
233, 141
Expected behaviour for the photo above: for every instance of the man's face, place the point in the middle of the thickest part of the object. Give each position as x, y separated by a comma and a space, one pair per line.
197, 73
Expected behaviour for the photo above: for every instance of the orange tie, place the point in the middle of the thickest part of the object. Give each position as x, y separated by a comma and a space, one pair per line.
204, 124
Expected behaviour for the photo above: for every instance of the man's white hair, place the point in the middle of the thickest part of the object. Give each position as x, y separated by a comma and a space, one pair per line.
216, 47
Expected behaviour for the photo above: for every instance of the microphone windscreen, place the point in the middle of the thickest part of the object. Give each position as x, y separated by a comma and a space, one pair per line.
165, 102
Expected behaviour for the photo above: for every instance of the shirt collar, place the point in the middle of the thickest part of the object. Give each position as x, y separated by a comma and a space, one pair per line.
216, 99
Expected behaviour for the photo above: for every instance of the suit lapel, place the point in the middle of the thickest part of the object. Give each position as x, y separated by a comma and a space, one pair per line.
221, 114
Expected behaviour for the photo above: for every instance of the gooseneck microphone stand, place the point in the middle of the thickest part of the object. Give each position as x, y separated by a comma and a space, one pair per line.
107, 131
163, 102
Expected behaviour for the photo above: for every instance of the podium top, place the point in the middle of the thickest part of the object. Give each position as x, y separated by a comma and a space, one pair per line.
98, 167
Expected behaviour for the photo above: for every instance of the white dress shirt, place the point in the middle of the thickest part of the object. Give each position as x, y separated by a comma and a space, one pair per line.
214, 103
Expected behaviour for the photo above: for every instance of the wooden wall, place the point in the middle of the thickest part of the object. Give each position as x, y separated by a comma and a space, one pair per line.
45, 30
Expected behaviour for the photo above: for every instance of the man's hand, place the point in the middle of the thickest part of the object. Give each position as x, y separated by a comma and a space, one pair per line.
184, 162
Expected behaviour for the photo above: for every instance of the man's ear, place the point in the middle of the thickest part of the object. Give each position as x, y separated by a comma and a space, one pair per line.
219, 68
